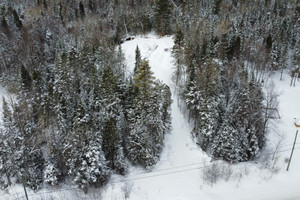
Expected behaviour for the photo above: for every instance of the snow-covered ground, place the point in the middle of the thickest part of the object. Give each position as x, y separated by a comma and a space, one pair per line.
179, 173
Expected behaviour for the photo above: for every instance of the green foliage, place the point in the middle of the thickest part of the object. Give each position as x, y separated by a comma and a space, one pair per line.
25, 78
227, 113
81, 9
216, 8
269, 42
4, 23
228, 144
17, 20
162, 15
144, 78
138, 59
73, 82
110, 141
149, 117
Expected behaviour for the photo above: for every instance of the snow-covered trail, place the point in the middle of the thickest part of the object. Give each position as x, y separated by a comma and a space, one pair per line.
175, 176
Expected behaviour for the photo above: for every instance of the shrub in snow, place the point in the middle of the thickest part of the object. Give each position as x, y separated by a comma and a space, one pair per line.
50, 174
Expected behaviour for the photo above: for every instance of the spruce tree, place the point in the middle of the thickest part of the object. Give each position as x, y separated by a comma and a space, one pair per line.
111, 146
17, 20
7, 146
144, 78
162, 17
138, 59
25, 78
81, 9
228, 145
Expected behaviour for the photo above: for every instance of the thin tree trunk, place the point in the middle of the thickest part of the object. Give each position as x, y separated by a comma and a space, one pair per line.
281, 73
24, 187
295, 78
292, 81
7, 176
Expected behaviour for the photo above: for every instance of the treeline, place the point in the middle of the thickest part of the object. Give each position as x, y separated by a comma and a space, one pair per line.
31, 30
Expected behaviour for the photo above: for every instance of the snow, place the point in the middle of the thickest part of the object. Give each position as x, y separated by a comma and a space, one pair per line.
297, 121
3, 93
179, 173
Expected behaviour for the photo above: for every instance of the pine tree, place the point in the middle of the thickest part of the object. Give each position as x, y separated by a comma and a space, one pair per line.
166, 107
62, 97
111, 146
5, 26
256, 121
216, 7
206, 123
178, 54
85, 160
228, 145
138, 59
28, 156
144, 78
162, 15
17, 20
193, 97
81, 9
45, 5
269, 43
139, 147
110, 93
25, 78
7, 146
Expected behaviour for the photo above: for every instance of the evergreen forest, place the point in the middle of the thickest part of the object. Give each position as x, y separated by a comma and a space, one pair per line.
78, 115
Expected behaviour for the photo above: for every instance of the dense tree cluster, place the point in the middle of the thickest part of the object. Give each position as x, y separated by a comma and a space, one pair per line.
77, 113
83, 118
223, 49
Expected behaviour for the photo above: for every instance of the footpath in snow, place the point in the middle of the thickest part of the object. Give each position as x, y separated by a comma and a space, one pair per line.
175, 176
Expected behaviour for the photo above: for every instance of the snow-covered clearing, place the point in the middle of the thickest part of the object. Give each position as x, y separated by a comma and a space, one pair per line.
179, 173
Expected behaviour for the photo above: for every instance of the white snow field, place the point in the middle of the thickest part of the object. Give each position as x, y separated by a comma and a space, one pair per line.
179, 173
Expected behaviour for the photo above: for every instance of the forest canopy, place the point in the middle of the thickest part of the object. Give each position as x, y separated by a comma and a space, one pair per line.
78, 115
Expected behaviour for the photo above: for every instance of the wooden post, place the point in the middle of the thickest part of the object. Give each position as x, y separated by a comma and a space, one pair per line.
26, 195
287, 169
